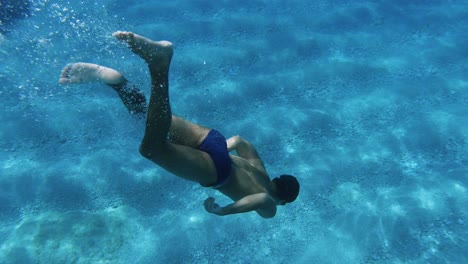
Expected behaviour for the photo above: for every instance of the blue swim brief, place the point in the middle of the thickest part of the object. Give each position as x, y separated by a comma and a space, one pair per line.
215, 145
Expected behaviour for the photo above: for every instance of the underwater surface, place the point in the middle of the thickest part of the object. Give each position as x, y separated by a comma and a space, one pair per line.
365, 102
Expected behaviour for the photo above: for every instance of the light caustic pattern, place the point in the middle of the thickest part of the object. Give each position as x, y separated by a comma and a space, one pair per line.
364, 102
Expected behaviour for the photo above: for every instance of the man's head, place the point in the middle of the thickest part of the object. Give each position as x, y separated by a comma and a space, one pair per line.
287, 188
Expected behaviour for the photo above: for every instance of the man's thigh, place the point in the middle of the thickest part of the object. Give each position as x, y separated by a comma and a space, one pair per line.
186, 133
188, 163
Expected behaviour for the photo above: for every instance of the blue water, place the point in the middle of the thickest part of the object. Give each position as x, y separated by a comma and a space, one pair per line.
364, 101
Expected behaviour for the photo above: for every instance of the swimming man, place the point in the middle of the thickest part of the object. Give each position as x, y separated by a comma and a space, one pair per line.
188, 150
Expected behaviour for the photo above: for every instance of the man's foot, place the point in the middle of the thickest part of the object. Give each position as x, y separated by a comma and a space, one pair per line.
82, 72
155, 53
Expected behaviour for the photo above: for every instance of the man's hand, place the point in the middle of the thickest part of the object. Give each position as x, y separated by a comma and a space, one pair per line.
262, 203
246, 151
233, 142
212, 207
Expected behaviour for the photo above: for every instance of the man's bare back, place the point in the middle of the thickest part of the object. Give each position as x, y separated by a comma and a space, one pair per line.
188, 150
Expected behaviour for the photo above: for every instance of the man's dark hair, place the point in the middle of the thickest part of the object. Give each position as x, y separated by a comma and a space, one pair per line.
287, 187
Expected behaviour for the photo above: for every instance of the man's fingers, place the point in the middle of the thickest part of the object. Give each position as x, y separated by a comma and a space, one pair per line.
210, 205
209, 201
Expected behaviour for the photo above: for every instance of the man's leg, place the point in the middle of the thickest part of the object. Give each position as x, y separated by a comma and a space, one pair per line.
182, 132
80, 72
182, 160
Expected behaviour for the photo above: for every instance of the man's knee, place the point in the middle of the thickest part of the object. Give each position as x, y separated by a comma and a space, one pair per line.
153, 151
144, 151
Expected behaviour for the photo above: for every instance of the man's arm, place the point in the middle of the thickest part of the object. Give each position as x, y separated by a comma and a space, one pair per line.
262, 203
245, 150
